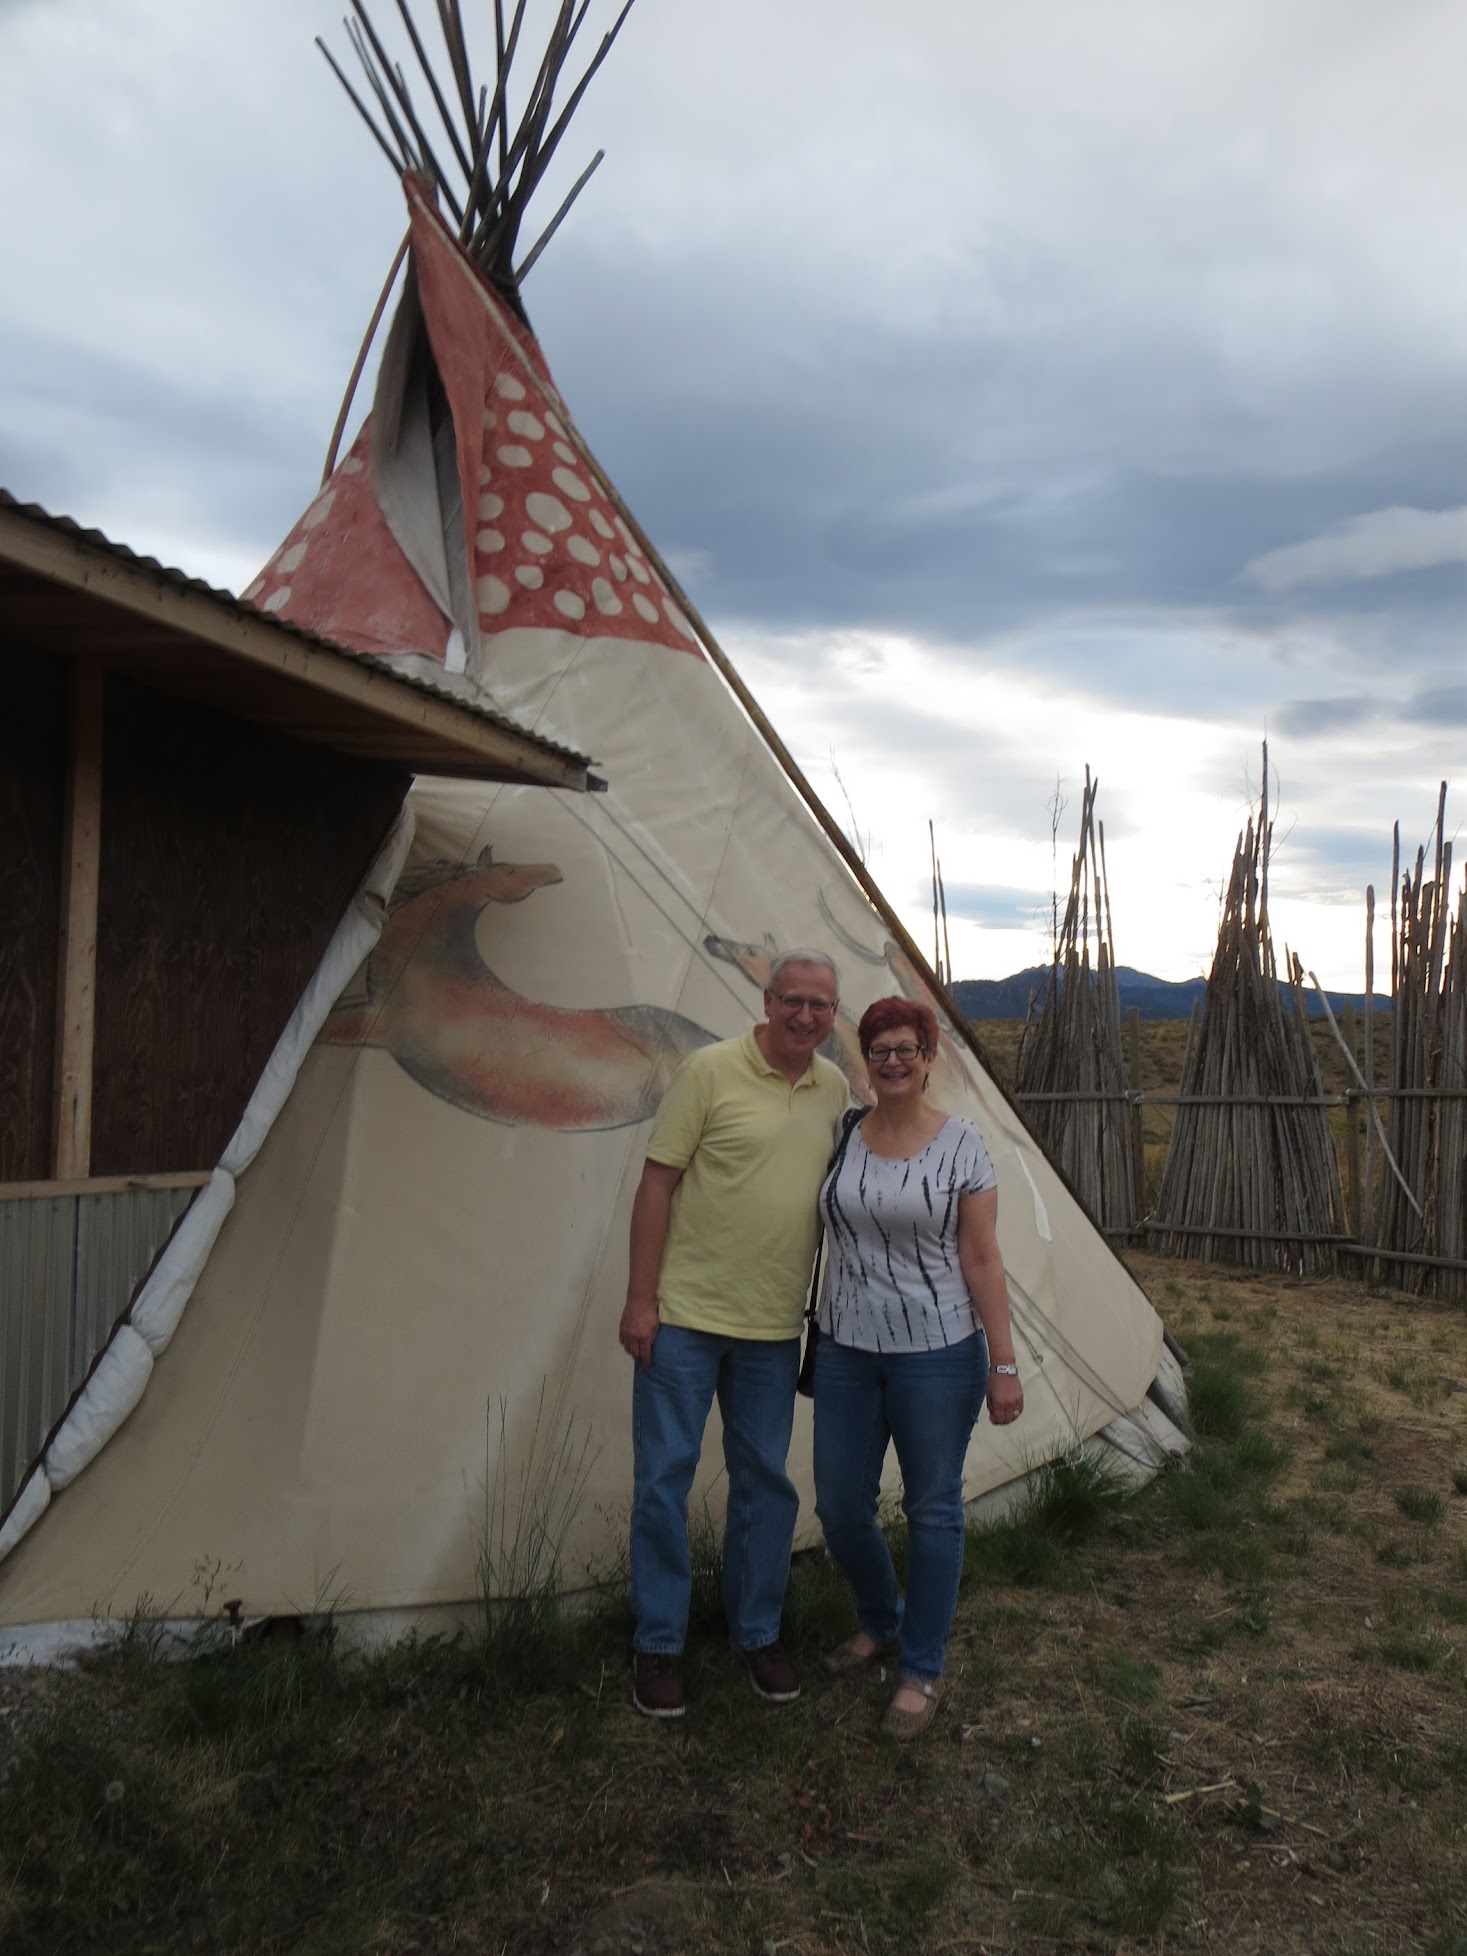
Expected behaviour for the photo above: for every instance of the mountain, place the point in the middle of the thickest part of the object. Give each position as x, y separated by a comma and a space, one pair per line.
1155, 998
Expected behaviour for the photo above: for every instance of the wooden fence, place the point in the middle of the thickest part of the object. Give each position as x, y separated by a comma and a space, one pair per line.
1408, 1265
1253, 1174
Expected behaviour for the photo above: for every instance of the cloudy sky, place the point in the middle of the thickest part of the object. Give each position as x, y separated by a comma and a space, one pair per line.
1014, 386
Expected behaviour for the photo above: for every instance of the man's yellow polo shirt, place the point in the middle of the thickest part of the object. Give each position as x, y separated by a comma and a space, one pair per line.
753, 1150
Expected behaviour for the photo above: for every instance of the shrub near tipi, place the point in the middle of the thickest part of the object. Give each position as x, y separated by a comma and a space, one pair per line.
414, 1302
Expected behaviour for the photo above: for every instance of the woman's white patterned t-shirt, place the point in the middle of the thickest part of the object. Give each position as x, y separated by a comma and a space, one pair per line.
893, 1282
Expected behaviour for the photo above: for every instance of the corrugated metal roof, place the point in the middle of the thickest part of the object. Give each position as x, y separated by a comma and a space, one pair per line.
420, 675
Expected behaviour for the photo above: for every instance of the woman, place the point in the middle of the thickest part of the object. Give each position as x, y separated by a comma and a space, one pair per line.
915, 1329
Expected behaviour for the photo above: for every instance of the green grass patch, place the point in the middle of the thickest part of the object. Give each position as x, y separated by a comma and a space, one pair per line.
1221, 1391
1421, 1504
528, 1640
886, 1907
1325, 1511
1349, 1447
1221, 1500
1070, 1501
1259, 1456
1309, 1401
1142, 1751
818, 1609
1409, 1653
705, 1552
1343, 1750
1129, 1679
257, 1695
1118, 1868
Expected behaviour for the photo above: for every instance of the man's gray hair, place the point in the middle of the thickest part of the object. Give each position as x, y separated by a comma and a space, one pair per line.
802, 954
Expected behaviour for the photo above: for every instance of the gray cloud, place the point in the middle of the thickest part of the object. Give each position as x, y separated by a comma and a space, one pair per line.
1315, 719
885, 489
1382, 543
1334, 864
1438, 706
1441, 707
999, 908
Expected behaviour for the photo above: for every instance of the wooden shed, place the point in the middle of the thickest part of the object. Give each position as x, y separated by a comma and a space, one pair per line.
190, 795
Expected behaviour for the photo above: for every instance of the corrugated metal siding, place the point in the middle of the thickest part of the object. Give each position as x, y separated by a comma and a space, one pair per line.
117, 1237
37, 1268
68, 1265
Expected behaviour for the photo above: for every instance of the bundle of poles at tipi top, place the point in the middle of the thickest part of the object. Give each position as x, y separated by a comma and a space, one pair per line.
497, 163
1071, 1073
496, 170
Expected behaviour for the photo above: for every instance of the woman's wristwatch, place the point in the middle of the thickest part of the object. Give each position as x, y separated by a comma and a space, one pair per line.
1005, 1371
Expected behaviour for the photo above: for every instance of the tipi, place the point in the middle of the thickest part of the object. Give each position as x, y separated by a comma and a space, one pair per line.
414, 1299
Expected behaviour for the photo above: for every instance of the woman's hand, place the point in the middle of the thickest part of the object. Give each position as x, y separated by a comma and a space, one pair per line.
1005, 1398
982, 1264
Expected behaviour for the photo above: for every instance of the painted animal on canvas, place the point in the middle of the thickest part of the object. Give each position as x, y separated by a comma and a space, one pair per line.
453, 1026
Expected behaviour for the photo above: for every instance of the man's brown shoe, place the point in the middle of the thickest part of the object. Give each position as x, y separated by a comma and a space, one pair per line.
657, 1684
772, 1674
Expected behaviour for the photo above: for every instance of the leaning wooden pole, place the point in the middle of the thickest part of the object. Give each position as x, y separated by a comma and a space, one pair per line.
361, 360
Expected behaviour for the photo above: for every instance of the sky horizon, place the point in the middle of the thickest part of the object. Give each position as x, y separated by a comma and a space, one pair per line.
1013, 390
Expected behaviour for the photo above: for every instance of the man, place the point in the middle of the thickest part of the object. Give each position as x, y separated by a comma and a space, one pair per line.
724, 1231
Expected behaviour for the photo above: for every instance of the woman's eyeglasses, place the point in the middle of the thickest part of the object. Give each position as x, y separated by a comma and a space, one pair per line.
908, 1050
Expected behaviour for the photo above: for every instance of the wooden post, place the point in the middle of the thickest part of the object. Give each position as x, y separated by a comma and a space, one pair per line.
1354, 1204
76, 990
1368, 1222
1138, 1142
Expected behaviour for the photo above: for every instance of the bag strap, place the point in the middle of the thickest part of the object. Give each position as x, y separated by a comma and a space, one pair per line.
850, 1121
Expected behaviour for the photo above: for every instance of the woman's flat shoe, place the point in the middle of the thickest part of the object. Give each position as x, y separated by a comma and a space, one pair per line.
904, 1725
849, 1658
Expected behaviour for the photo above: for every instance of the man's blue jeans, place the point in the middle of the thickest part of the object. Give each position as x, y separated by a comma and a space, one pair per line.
927, 1402
754, 1382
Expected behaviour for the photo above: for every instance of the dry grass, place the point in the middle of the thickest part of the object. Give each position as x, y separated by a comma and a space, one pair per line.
1233, 1716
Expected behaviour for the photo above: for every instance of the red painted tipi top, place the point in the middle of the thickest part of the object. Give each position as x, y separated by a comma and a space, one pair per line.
410, 543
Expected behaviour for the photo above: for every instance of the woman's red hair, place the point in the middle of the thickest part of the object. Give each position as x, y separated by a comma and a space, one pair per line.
887, 1014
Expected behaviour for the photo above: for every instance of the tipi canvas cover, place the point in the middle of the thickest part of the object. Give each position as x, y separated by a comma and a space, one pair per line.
414, 1299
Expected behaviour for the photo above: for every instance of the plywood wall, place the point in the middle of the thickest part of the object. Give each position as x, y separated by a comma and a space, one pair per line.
229, 855
33, 706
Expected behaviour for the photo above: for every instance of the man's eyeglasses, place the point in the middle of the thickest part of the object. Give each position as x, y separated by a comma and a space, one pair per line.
907, 1051
795, 1002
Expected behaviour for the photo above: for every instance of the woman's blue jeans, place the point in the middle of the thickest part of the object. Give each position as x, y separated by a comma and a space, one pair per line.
927, 1402
754, 1382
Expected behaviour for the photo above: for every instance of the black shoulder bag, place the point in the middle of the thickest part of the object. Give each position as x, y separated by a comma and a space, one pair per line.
805, 1384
